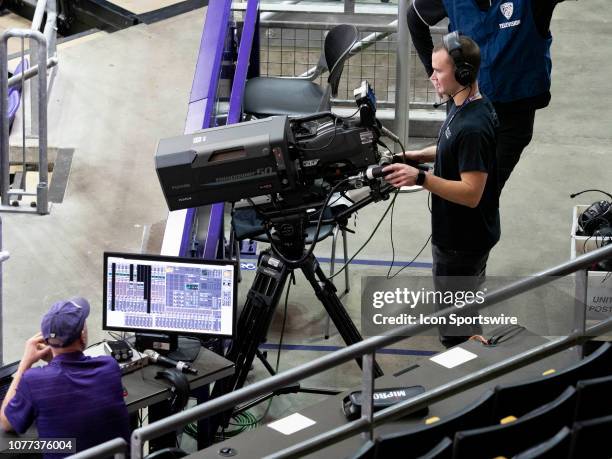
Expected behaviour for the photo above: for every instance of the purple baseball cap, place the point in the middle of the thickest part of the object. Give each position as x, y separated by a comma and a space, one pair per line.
64, 322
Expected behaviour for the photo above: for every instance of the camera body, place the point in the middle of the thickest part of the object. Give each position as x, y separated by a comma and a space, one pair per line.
278, 156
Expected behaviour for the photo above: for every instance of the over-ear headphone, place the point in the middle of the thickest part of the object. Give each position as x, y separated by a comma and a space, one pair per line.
464, 71
179, 388
595, 217
596, 221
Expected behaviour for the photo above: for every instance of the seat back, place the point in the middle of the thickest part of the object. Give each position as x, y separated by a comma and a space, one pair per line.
590, 438
338, 44
443, 450
367, 451
593, 398
417, 441
511, 438
170, 452
520, 398
553, 448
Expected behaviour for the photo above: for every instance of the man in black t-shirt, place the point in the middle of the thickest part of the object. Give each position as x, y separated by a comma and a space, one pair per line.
514, 88
465, 204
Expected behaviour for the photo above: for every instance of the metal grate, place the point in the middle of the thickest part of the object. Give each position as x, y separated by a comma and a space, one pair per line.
292, 50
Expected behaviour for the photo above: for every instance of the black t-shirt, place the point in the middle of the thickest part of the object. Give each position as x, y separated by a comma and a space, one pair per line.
467, 143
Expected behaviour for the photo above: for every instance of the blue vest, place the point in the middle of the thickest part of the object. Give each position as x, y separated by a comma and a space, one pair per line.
515, 59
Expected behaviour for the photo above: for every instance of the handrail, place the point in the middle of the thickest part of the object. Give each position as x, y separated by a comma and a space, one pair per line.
48, 7
42, 50
18, 78
370, 345
43, 170
4, 255
117, 446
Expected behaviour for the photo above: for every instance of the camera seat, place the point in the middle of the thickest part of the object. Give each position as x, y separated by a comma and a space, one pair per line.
298, 96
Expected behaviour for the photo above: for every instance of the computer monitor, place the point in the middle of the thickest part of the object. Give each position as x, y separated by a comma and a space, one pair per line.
169, 295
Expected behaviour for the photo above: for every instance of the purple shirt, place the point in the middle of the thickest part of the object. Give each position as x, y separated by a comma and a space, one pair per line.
75, 396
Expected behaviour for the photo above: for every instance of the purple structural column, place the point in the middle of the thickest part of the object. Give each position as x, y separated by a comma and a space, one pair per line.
202, 101
242, 65
215, 227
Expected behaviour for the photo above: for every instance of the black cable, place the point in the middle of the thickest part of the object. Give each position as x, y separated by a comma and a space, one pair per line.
379, 221
368, 239
328, 143
411, 261
336, 118
393, 246
315, 236
95, 344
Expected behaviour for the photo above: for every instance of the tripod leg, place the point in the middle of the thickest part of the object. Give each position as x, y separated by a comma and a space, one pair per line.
326, 292
262, 358
252, 327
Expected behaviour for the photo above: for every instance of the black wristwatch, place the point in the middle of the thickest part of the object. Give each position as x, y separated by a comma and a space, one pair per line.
421, 178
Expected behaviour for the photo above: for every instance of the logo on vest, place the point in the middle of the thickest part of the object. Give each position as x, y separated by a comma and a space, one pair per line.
447, 133
507, 9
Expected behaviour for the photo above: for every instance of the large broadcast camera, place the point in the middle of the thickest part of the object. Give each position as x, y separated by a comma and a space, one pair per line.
295, 160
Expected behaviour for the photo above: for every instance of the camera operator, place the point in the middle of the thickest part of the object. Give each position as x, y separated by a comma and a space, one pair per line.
465, 204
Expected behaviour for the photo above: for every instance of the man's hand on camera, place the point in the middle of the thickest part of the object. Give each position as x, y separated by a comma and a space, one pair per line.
400, 175
35, 350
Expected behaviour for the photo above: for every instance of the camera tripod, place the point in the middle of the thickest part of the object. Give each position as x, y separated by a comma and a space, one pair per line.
265, 293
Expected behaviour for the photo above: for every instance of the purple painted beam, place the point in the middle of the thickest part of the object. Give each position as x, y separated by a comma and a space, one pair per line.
203, 97
203, 92
242, 65
208, 67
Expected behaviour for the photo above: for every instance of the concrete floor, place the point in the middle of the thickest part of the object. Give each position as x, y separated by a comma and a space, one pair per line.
117, 94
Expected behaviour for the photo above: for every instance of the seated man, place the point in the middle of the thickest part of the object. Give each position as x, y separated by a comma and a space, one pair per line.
74, 396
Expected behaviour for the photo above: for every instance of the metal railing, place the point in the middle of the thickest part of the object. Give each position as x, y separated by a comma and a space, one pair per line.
4, 255
367, 348
48, 7
117, 447
42, 51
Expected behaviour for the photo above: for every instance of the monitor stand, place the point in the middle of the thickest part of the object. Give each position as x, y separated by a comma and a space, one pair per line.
172, 346
186, 349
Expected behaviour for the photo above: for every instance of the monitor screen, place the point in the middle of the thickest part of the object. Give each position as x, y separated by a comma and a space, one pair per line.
160, 294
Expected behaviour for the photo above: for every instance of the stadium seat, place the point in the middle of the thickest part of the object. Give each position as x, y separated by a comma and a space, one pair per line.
513, 437
367, 451
590, 439
419, 440
554, 448
593, 398
443, 450
520, 398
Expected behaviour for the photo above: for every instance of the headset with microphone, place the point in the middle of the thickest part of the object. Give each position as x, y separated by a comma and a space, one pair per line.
596, 216
596, 221
465, 73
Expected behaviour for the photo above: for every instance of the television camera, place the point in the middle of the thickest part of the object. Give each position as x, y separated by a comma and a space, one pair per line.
294, 160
